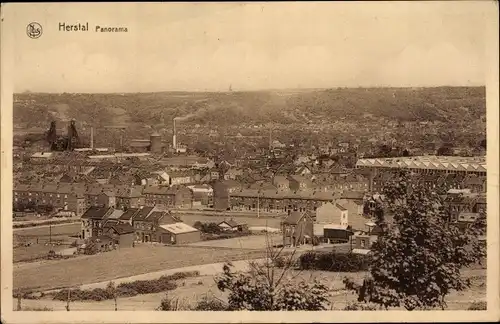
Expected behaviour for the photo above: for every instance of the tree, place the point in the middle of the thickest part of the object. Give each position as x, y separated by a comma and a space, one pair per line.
266, 287
445, 150
112, 291
90, 248
482, 144
416, 261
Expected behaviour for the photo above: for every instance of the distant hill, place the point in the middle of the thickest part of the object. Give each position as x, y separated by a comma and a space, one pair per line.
446, 104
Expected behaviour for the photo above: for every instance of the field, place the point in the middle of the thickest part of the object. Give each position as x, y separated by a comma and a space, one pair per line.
251, 221
243, 242
39, 237
192, 289
120, 263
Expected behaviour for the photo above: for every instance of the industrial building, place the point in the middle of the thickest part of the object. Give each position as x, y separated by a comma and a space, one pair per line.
153, 144
178, 233
428, 164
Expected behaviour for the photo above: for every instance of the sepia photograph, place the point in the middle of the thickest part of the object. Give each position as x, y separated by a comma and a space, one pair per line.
238, 161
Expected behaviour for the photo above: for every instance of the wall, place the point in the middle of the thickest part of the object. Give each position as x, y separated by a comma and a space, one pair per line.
185, 238
328, 214
126, 240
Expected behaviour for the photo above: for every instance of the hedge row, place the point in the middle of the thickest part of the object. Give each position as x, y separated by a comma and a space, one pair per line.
127, 289
331, 261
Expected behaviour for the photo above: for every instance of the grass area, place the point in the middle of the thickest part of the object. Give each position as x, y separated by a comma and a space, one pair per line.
243, 242
121, 263
190, 290
64, 229
38, 237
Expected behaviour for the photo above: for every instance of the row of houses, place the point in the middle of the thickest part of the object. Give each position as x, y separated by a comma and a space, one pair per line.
146, 224
333, 222
77, 198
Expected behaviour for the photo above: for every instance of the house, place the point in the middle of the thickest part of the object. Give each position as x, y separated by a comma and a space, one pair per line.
222, 191
103, 243
298, 182
335, 233
147, 221
297, 229
93, 221
301, 160
355, 210
202, 195
262, 185
303, 170
128, 215
175, 196
281, 182
175, 178
476, 184
363, 242
279, 201
233, 174
232, 225
122, 234
178, 233
129, 196
65, 197
332, 213
106, 199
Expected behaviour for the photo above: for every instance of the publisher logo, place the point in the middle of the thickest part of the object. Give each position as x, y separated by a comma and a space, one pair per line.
34, 30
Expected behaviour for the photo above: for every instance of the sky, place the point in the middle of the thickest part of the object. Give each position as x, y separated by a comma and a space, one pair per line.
253, 46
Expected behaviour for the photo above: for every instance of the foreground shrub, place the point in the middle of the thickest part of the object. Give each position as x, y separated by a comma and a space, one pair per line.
360, 307
480, 305
330, 261
97, 294
37, 309
148, 286
210, 304
169, 304
127, 289
264, 289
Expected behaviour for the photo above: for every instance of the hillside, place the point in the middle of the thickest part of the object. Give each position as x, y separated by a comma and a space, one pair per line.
447, 104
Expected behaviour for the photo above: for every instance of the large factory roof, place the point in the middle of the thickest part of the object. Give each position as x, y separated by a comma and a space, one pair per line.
445, 163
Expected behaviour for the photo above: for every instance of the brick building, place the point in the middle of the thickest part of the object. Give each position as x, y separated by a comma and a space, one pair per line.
170, 197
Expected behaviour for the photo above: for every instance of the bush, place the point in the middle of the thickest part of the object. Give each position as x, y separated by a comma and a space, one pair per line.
37, 309
97, 294
480, 305
127, 292
127, 289
149, 286
330, 261
360, 307
90, 248
169, 304
210, 304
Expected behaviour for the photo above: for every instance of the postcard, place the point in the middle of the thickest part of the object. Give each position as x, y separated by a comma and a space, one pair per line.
259, 162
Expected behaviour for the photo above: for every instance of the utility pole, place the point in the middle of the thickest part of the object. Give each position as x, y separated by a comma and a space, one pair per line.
258, 206
69, 298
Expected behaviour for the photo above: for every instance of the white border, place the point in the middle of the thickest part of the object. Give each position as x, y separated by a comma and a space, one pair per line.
9, 316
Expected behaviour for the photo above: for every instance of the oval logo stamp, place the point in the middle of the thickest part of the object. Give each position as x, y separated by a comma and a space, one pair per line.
34, 30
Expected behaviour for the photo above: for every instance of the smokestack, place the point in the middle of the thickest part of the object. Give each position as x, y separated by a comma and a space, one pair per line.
174, 138
91, 137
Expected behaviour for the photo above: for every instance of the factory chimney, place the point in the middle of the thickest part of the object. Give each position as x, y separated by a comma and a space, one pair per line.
174, 138
91, 137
